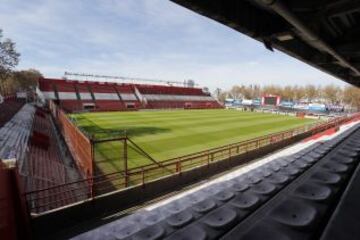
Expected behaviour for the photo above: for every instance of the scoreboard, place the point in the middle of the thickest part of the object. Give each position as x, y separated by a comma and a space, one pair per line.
270, 100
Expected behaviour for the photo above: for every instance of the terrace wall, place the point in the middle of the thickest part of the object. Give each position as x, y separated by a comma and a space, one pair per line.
79, 145
14, 222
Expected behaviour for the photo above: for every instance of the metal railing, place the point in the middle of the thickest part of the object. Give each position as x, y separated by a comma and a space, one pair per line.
54, 197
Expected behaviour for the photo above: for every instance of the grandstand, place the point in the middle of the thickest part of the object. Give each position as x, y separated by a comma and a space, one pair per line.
59, 171
274, 183
58, 179
74, 96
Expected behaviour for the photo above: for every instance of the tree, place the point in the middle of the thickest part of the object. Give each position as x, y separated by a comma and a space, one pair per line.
9, 58
288, 93
219, 94
272, 89
310, 92
351, 96
236, 92
26, 79
331, 93
299, 92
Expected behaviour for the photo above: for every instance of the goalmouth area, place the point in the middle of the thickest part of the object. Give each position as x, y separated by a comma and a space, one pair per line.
167, 134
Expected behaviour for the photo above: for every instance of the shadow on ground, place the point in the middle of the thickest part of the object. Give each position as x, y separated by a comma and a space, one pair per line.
90, 127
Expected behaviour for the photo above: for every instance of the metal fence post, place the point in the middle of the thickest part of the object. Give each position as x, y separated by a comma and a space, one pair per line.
126, 161
208, 158
92, 144
143, 176
178, 166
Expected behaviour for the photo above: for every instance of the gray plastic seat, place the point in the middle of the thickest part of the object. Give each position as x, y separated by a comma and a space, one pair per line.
313, 192
245, 201
300, 163
213, 189
204, 206
347, 152
351, 147
291, 159
291, 170
240, 187
315, 154
180, 219
294, 213
278, 178
224, 195
321, 151
195, 197
264, 172
263, 188
153, 217
253, 178
336, 167
283, 163
175, 207
309, 159
221, 218
274, 167
138, 217
343, 159
326, 177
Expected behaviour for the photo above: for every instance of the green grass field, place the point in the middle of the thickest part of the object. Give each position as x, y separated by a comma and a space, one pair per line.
168, 134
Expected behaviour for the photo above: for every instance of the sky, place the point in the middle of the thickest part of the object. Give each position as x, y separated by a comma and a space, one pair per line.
154, 39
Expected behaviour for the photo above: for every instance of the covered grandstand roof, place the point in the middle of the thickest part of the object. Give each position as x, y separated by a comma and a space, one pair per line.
323, 33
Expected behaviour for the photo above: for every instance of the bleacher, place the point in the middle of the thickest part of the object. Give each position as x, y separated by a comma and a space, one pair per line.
14, 135
45, 165
158, 97
310, 194
75, 96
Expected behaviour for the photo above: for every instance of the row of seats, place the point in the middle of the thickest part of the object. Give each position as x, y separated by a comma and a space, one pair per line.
100, 105
15, 133
169, 90
112, 105
183, 104
294, 193
83, 86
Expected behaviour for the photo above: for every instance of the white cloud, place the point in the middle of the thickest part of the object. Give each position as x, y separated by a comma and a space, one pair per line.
144, 38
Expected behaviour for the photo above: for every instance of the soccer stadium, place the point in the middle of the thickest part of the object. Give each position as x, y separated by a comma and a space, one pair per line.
88, 156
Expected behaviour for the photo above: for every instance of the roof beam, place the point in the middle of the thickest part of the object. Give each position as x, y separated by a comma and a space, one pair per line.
283, 11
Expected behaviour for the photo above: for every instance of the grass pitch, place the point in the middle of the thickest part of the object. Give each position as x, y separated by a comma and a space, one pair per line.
168, 134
